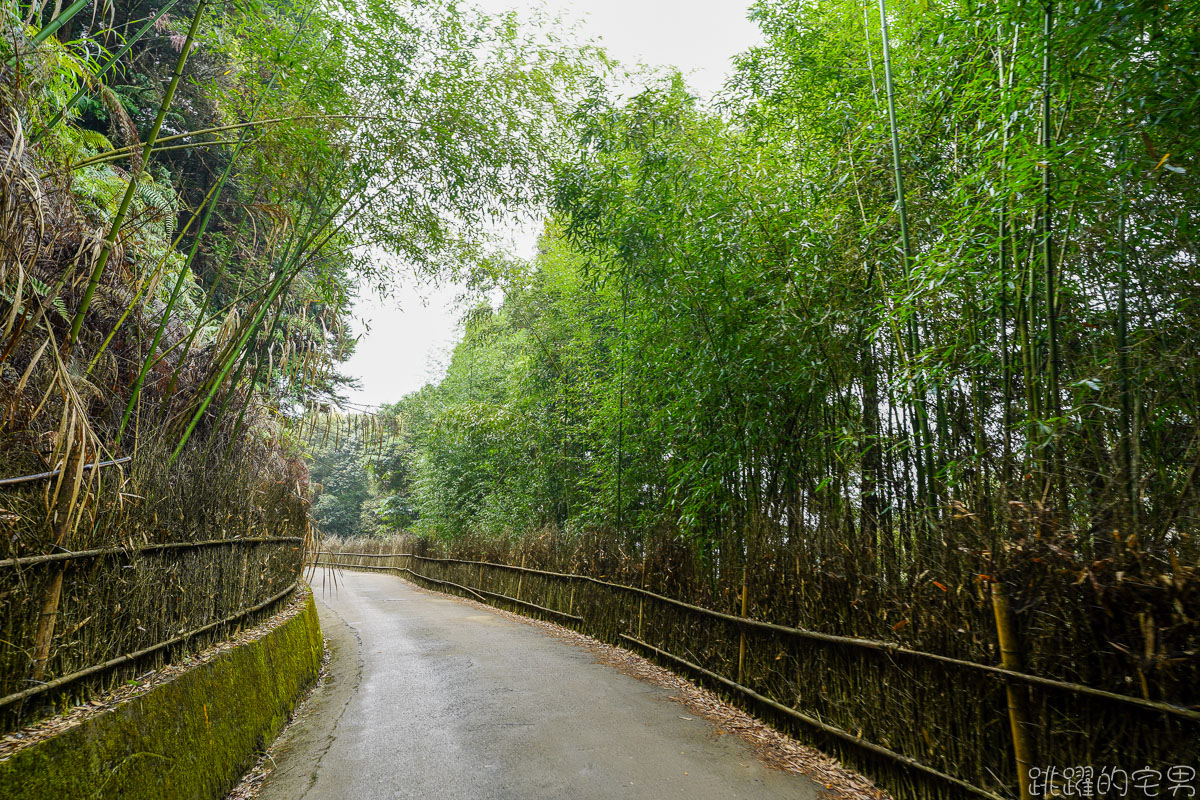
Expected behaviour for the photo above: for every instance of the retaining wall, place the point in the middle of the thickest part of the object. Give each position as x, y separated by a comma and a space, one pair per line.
191, 737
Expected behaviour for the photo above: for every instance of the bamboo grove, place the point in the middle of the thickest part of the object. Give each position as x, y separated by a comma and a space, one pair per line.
899, 330
190, 193
879, 291
895, 338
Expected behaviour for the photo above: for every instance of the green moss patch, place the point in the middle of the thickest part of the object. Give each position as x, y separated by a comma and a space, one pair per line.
191, 737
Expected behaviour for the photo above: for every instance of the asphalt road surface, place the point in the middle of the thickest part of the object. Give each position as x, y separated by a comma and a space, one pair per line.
429, 697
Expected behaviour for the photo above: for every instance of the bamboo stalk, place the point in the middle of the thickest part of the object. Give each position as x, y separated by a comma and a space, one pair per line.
114, 231
741, 670
1054, 358
1018, 696
921, 433
870, 57
641, 598
1127, 446
211, 294
47, 617
64, 508
210, 202
52, 27
116, 58
1001, 240
292, 264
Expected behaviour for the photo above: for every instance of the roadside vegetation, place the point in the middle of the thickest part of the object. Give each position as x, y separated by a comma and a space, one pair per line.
894, 339
189, 191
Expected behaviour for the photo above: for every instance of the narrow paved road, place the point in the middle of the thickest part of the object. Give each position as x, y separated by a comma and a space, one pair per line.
429, 697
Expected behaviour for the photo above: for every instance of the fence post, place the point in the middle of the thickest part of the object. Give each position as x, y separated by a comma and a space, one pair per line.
742, 639
1018, 696
48, 616
46, 619
642, 598
520, 576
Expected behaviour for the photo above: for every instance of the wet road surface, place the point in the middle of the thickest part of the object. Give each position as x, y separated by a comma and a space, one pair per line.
428, 697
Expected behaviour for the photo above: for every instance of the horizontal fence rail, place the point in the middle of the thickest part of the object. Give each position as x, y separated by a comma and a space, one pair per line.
54, 473
404, 562
68, 555
479, 593
78, 622
113, 663
851, 641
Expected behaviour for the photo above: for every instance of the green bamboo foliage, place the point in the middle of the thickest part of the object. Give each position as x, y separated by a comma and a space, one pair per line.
883, 362
1128, 448
150, 280
211, 200
52, 27
1053, 356
114, 231
129, 44
921, 433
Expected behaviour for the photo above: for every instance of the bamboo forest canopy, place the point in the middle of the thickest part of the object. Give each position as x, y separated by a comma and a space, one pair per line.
894, 338
882, 290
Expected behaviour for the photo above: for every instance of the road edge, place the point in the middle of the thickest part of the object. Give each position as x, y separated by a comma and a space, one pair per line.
772, 746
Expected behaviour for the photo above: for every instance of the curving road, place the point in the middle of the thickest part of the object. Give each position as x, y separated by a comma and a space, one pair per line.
429, 697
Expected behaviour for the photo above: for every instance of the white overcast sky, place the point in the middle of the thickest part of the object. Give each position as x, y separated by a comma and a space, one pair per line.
408, 339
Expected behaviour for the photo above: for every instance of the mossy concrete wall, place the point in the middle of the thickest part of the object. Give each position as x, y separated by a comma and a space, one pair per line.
191, 737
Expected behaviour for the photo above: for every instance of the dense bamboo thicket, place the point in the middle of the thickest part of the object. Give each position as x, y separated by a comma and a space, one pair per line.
903, 324
875, 316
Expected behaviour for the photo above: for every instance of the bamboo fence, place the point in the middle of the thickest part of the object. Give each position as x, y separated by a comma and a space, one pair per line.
924, 724
124, 610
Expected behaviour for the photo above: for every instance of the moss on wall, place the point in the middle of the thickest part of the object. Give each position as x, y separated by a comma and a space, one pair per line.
191, 737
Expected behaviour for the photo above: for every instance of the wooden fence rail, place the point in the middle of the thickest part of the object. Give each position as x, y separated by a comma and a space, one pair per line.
68, 555
54, 473
479, 593
954, 785
851, 641
128, 658
133, 605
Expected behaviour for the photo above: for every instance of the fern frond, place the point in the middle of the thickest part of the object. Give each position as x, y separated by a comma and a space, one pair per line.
43, 290
162, 200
